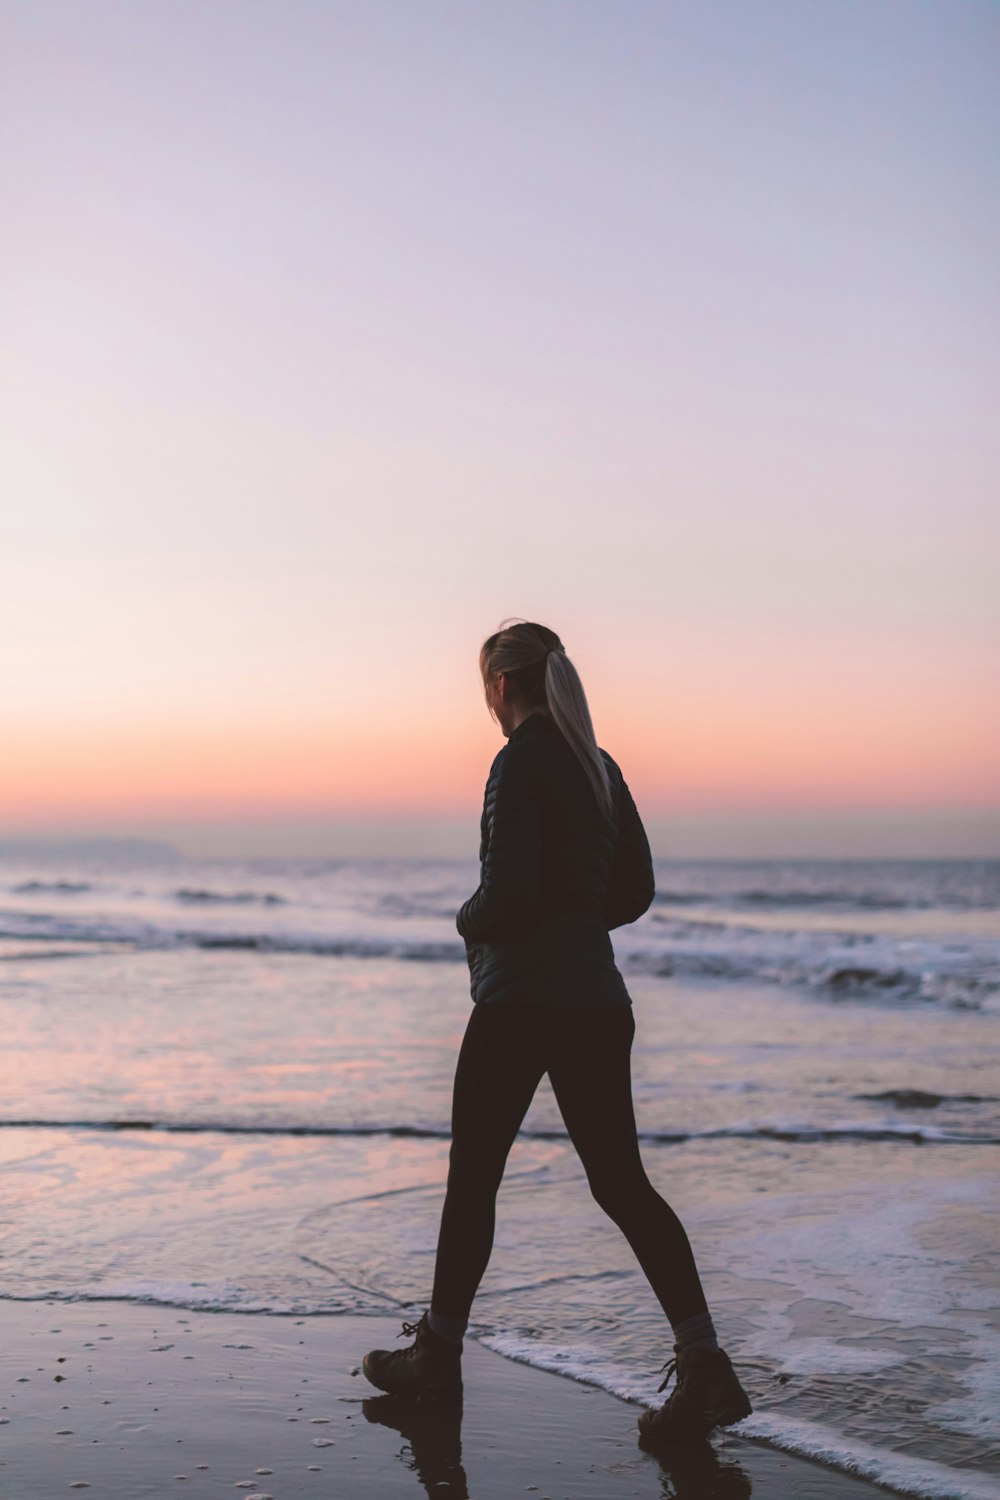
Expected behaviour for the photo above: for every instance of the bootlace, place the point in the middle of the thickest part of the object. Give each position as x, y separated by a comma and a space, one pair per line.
408, 1330
670, 1367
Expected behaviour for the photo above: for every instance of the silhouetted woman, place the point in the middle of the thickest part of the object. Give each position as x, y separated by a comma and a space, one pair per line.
564, 859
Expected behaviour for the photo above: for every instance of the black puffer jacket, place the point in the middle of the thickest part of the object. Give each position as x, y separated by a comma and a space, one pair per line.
556, 875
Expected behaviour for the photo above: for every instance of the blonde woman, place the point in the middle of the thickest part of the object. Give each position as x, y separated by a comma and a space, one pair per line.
564, 859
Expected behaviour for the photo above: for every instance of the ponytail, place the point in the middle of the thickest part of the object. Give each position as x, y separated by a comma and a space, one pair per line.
535, 658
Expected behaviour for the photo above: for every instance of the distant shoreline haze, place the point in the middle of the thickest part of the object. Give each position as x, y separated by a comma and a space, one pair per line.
867, 834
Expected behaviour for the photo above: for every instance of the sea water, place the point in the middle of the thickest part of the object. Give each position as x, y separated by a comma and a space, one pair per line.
227, 1086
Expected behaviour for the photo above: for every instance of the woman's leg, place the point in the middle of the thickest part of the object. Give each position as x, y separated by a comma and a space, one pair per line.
500, 1065
589, 1066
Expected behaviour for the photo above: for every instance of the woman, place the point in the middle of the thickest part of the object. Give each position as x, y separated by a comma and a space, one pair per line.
564, 859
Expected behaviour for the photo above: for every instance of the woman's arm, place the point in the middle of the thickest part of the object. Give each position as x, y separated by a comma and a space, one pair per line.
508, 891
632, 886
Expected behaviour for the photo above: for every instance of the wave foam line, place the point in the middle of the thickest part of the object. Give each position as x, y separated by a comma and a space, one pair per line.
819, 971
202, 1127
921, 1477
151, 939
185, 1297
923, 1135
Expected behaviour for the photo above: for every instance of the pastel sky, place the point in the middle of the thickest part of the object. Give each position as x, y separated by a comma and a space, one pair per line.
335, 331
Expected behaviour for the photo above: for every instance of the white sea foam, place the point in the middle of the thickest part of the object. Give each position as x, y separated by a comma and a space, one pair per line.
825, 1356
975, 1410
897, 1471
582, 1364
905, 1475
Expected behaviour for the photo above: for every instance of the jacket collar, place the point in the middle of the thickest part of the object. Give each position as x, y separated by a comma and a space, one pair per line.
536, 723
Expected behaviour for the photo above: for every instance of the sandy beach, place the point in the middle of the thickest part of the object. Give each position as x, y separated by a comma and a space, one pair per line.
133, 1401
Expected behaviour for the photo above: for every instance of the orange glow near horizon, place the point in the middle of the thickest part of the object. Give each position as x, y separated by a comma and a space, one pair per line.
709, 751
748, 717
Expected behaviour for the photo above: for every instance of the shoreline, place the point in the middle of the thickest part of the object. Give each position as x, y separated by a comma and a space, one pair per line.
129, 1401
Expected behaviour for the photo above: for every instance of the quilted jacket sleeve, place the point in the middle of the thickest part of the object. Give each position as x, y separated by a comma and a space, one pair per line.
511, 865
632, 887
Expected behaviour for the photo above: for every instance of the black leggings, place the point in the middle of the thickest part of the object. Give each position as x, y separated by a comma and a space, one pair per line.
505, 1052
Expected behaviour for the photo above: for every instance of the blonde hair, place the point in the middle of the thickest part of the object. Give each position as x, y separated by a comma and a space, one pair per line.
535, 659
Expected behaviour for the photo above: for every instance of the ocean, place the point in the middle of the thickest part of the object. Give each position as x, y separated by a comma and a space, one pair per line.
226, 1085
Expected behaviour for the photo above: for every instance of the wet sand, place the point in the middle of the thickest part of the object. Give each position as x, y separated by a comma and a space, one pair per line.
127, 1401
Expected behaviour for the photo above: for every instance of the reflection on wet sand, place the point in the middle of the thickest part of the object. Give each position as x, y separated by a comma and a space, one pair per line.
433, 1436
694, 1471
433, 1451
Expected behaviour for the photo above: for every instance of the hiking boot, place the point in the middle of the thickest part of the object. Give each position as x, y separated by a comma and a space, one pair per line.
706, 1395
430, 1368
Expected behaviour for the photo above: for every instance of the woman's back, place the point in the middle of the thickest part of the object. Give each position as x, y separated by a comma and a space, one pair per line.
557, 872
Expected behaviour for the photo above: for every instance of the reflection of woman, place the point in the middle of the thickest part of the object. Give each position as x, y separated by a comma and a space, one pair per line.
564, 858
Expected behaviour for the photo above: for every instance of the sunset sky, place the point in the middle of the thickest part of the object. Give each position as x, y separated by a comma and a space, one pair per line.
335, 331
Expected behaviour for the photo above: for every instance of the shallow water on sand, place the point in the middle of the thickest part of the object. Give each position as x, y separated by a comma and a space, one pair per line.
264, 1126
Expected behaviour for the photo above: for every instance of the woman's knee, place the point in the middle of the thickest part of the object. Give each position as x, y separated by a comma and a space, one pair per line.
622, 1195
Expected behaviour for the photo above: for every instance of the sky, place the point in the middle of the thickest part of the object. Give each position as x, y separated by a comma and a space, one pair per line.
335, 333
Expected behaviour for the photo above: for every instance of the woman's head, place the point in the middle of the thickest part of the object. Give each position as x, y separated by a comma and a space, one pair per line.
526, 664
515, 660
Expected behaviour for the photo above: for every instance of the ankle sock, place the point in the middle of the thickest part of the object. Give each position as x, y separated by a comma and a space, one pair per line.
452, 1329
696, 1333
